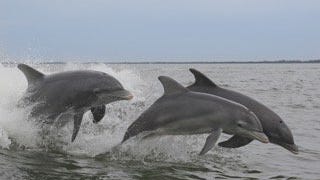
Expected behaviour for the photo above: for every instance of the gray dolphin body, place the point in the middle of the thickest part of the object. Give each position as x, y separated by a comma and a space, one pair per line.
71, 93
273, 126
183, 112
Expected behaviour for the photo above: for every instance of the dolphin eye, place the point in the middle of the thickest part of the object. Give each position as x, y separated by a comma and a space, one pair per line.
240, 125
280, 121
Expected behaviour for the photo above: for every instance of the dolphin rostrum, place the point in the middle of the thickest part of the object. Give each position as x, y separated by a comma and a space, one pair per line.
71, 93
273, 126
183, 112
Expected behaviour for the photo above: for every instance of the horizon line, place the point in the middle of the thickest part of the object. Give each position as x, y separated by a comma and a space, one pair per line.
171, 62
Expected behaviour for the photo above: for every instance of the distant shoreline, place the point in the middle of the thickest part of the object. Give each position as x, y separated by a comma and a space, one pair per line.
184, 62
219, 62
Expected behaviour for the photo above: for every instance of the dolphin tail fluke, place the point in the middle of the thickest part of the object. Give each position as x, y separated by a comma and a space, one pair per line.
31, 74
235, 142
201, 79
76, 126
211, 141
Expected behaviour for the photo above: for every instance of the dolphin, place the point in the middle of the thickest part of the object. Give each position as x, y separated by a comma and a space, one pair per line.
71, 93
183, 112
273, 126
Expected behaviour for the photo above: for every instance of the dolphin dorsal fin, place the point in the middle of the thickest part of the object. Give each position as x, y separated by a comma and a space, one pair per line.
171, 86
31, 74
201, 79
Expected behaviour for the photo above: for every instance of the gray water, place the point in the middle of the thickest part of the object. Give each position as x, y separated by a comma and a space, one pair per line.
291, 90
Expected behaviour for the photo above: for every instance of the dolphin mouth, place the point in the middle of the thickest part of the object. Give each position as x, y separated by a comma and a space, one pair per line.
118, 95
126, 95
259, 136
290, 147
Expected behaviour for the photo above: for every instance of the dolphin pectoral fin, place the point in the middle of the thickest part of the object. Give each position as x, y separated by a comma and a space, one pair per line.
77, 119
211, 141
98, 113
235, 142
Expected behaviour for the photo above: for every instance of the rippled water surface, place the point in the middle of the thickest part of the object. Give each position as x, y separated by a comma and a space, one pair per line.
291, 90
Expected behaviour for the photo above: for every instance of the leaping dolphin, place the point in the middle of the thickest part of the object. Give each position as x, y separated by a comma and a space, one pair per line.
273, 126
183, 112
72, 93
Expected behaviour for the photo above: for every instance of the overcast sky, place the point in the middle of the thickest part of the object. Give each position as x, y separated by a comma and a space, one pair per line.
149, 30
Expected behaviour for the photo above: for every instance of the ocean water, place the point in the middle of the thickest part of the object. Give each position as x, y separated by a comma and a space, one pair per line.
291, 90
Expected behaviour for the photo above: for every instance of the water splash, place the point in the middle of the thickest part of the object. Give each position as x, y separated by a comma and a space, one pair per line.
12, 121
